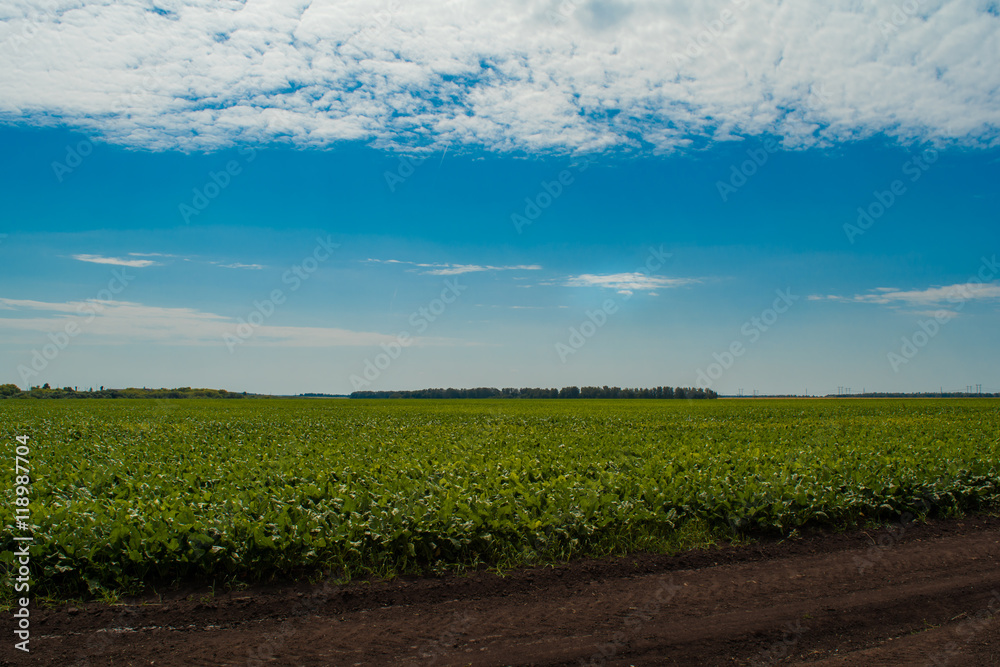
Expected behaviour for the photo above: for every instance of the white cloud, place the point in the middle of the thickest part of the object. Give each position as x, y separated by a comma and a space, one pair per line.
530, 75
237, 265
114, 322
957, 293
627, 283
117, 261
457, 269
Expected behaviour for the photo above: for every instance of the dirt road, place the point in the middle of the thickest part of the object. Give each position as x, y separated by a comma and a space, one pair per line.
924, 594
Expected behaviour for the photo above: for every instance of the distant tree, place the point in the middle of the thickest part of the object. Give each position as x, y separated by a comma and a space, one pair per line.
8, 390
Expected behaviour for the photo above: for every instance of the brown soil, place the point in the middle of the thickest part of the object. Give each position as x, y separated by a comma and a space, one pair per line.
926, 594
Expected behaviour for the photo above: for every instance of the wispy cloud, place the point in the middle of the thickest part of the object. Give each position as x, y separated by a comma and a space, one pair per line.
435, 269
494, 305
930, 296
237, 265
456, 269
627, 283
29, 304
114, 322
219, 263
118, 261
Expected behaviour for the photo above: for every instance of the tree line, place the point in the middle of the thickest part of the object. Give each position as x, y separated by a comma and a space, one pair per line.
45, 391
536, 392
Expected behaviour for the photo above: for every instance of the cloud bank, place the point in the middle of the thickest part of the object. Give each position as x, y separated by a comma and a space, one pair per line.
931, 296
115, 322
522, 76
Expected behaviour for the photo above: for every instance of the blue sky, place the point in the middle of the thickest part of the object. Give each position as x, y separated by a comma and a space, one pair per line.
381, 200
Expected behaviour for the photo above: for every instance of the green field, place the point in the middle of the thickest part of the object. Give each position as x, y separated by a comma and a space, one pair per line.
131, 493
